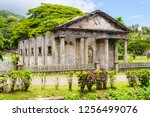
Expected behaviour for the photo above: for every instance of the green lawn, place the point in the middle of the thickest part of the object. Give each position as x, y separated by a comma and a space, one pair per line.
122, 92
139, 59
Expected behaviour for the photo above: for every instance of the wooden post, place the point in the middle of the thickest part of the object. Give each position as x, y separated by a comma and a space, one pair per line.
125, 50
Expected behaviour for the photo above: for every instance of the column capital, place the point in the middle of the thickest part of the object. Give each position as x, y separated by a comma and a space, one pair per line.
62, 36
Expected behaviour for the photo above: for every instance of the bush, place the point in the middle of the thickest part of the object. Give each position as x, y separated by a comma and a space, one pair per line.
82, 79
120, 56
90, 78
20, 80
69, 76
141, 76
144, 77
132, 78
112, 78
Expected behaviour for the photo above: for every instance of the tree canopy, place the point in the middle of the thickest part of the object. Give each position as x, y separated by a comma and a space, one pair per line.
42, 19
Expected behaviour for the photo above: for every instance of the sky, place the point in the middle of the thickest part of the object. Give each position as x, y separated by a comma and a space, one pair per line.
132, 11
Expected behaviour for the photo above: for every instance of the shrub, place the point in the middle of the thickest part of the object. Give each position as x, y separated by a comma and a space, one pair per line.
112, 77
82, 79
26, 80
132, 78
57, 83
144, 77
103, 78
23, 77
70, 75
120, 56
98, 79
91, 79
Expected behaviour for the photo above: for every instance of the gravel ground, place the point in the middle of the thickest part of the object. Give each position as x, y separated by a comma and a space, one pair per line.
63, 81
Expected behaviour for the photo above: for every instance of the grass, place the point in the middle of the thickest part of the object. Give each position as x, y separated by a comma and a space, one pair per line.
121, 92
139, 59
50, 91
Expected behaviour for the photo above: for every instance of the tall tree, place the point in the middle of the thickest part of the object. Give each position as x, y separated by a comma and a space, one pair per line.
42, 19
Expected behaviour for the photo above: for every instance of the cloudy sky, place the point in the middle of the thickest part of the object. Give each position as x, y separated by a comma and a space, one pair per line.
132, 11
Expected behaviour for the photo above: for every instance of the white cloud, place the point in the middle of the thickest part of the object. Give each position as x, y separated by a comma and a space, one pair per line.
22, 6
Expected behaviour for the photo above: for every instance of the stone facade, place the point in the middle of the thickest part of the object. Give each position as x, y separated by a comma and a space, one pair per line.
82, 41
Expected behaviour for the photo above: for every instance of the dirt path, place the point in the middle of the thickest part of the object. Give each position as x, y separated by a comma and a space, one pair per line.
63, 81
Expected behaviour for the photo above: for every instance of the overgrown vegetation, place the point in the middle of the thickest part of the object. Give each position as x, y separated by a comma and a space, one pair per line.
138, 77
17, 80
97, 77
122, 92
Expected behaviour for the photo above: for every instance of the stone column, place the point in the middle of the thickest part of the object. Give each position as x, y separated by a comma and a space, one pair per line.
44, 48
82, 50
62, 49
23, 53
116, 55
29, 52
95, 53
86, 52
106, 50
54, 52
35, 50
125, 50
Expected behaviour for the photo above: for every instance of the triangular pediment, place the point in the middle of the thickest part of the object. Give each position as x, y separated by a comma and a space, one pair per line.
96, 21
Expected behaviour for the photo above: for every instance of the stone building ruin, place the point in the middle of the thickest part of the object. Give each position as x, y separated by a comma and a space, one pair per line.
88, 40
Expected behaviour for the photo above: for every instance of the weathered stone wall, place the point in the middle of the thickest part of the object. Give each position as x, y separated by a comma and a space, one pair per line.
111, 53
20, 50
76, 50
26, 52
49, 58
70, 50
95, 22
32, 54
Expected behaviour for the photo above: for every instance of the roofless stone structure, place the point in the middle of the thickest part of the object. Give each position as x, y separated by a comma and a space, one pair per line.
87, 40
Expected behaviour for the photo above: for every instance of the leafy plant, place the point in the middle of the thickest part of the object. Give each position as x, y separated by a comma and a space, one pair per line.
91, 80
98, 79
82, 79
144, 77
57, 83
132, 78
70, 75
112, 77
43, 80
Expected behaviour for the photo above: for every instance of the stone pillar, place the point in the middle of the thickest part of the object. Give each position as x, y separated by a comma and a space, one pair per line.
95, 53
23, 53
125, 50
29, 52
54, 52
86, 52
36, 52
116, 55
106, 50
62, 50
82, 50
44, 48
